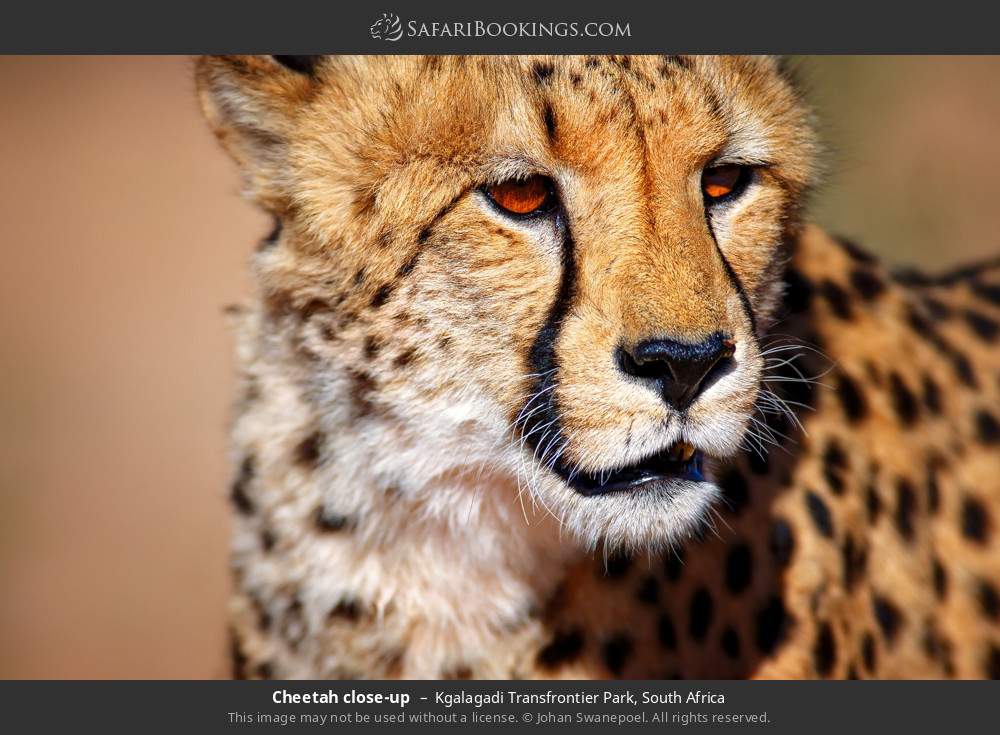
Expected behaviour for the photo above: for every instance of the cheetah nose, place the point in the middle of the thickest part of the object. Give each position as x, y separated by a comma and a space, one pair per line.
680, 370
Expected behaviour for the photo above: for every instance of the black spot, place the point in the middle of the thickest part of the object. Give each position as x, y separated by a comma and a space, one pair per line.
906, 505
457, 673
781, 542
543, 71
932, 395
702, 611
834, 466
840, 302
238, 492
673, 60
404, 358
265, 670
854, 558
308, 451
406, 268
381, 296
868, 652
329, 522
291, 626
735, 491
888, 616
798, 292
989, 602
992, 667
359, 276
564, 648
272, 237
238, 659
363, 388
851, 398
907, 408
730, 643
303, 64
820, 514
824, 650
867, 283
649, 590
616, 651
856, 251
550, 123
985, 327
267, 539
739, 568
666, 632
988, 291
772, 624
616, 566
873, 503
673, 563
759, 463
975, 520
372, 346
940, 577
987, 427
936, 308
933, 488
347, 609
959, 362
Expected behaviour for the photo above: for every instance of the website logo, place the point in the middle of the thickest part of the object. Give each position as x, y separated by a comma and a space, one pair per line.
387, 28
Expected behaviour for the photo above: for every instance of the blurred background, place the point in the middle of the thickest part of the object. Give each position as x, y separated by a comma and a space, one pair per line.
123, 236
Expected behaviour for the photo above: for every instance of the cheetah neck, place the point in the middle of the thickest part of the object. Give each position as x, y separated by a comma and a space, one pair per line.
432, 572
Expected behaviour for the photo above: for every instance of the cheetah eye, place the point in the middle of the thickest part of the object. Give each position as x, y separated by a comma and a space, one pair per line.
523, 197
724, 181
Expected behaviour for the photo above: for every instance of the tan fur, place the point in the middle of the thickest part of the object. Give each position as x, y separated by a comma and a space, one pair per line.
398, 512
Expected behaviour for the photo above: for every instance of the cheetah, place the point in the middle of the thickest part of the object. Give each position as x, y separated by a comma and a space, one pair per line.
547, 375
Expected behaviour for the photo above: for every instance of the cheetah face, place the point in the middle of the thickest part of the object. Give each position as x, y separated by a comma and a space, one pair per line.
557, 268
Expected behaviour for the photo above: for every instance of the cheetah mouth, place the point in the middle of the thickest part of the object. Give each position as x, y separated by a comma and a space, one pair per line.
679, 461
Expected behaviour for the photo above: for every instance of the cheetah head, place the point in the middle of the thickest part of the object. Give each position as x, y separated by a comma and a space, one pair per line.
555, 270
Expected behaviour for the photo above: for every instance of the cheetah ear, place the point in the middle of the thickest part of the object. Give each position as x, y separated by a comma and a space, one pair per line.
251, 103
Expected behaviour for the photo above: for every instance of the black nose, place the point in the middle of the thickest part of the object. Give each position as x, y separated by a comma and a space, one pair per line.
682, 370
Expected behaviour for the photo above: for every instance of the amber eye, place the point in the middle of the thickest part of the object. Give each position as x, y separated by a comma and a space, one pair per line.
522, 196
721, 181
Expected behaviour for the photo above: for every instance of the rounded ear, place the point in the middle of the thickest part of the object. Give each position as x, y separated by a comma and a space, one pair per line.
251, 103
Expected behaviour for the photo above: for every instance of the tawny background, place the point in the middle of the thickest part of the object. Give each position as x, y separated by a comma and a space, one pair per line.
123, 236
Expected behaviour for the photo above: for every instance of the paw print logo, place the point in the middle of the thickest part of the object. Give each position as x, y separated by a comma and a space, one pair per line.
387, 28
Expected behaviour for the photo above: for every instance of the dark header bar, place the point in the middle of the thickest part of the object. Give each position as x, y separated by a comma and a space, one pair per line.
515, 26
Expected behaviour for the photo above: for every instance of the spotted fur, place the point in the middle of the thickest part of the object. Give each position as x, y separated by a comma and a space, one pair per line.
421, 375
